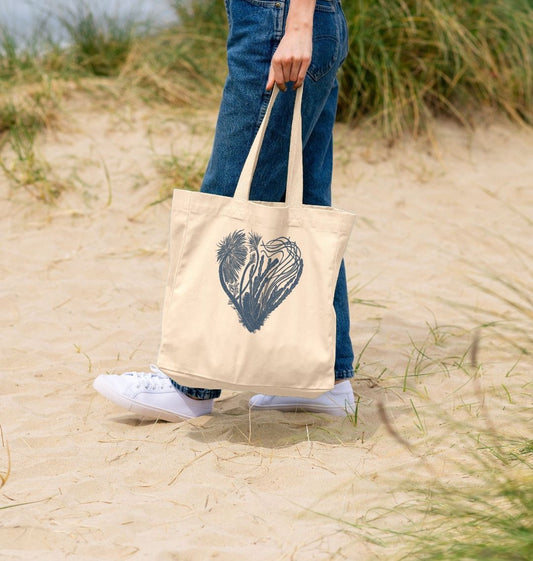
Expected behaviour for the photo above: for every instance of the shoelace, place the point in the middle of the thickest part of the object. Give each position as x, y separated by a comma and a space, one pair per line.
151, 381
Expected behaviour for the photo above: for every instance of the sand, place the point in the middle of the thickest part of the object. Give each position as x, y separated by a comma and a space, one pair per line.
81, 294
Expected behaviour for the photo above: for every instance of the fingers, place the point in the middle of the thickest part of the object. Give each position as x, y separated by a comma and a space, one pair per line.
300, 78
280, 74
288, 70
276, 76
271, 79
291, 58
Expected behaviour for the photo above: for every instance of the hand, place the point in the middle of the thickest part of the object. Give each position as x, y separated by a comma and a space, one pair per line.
291, 59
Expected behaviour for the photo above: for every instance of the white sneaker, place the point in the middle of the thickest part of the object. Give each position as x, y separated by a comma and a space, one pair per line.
339, 401
150, 394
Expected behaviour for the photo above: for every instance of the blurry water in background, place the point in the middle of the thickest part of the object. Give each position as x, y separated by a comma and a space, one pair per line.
27, 20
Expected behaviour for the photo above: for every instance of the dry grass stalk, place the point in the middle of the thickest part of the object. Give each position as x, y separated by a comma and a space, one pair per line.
4, 476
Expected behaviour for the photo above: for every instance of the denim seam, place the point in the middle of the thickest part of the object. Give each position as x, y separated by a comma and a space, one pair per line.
330, 8
318, 73
228, 13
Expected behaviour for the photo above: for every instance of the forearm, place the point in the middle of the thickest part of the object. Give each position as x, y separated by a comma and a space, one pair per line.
293, 55
300, 16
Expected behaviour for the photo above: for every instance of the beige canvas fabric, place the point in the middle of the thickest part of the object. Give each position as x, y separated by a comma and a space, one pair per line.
249, 297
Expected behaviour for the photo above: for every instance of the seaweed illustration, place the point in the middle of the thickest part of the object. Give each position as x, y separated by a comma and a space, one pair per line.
257, 276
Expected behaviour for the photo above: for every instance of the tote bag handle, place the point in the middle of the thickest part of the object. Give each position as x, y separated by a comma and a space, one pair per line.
295, 188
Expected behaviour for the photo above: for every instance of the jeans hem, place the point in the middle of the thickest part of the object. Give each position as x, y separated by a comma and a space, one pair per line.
344, 374
196, 393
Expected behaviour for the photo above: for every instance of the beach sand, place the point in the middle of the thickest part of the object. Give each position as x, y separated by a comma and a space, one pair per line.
81, 294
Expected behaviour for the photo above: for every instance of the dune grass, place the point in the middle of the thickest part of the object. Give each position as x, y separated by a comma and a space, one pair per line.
181, 65
28, 170
482, 507
412, 60
14, 118
26, 110
99, 46
509, 316
91, 45
469, 494
484, 513
409, 62
466, 418
184, 172
184, 64
181, 68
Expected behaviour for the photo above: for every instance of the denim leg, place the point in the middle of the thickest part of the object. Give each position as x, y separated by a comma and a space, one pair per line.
344, 356
255, 29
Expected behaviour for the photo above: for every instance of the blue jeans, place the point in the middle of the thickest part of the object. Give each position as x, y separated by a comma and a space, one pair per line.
255, 29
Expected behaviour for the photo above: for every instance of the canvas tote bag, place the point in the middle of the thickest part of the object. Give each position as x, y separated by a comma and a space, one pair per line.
249, 297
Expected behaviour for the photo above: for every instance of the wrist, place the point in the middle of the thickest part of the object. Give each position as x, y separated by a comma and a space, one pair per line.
300, 16
298, 26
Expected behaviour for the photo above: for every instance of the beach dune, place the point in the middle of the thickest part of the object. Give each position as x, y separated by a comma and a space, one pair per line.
81, 294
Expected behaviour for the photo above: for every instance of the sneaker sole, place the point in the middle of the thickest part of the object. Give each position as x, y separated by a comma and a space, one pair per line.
133, 406
294, 408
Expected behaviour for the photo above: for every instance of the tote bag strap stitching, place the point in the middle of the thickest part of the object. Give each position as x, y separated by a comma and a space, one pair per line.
295, 174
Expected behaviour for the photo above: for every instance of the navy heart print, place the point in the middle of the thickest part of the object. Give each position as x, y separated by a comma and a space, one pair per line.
257, 276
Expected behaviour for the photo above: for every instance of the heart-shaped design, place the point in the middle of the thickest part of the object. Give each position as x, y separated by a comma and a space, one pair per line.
257, 276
